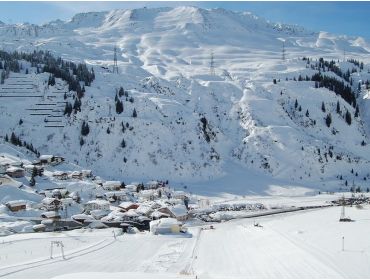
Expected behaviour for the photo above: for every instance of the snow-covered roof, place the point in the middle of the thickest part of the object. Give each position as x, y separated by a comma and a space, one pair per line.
14, 169
165, 222
131, 187
123, 192
45, 157
49, 200
14, 203
98, 202
147, 193
50, 214
156, 214
112, 183
59, 173
131, 213
178, 210
144, 209
127, 204
82, 217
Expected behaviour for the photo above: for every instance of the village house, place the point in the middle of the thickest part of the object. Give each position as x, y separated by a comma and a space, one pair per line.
15, 172
131, 187
166, 226
156, 215
16, 205
60, 175
50, 203
51, 215
117, 195
76, 175
148, 194
178, 212
30, 167
87, 173
127, 205
97, 204
50, 159
179, 195
112, 185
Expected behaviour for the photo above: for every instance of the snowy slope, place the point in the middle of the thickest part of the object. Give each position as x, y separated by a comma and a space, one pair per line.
192, 126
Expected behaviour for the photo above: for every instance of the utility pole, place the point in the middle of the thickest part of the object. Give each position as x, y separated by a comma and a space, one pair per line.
115, 65
212, 65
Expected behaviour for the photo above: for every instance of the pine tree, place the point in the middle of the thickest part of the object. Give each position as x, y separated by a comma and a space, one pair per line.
348, 118
82, 142
307, 113
357, 112
323, 107
328, 120
119, 106
296, 104
338, 107
134, 113
121, 92
123, 143
32, 181
20, 122
85, 129
6, 138
108, 130
299, 108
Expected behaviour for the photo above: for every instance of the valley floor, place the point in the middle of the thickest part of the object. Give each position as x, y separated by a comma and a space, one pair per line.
304, 244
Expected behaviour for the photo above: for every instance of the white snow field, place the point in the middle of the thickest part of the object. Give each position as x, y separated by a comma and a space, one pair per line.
298, 245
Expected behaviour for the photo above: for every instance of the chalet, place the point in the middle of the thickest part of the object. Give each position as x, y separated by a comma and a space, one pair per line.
131, 187
117, 195
166, 226
152, 185
50, 203
52, 215
97, 204
82, 218
179, 195
16, 205
156, 215
98, 214
148, 194
60, 175
87, 173
127, 205
112, 185
144, 210
76, 175
39, 228
15, 172
50, 159
30, 167
178, 212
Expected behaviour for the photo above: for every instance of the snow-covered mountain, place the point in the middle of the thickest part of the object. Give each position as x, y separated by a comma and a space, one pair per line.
235, 129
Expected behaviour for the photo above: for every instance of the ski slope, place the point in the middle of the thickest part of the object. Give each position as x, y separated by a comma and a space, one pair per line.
297, 245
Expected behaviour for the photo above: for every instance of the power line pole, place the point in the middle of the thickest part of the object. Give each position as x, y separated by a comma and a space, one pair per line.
212, 65
115, 65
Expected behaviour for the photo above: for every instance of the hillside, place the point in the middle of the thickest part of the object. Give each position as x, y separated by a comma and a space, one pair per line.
234, 131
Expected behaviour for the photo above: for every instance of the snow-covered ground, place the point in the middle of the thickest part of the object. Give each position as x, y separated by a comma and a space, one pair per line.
297, 245
258, 140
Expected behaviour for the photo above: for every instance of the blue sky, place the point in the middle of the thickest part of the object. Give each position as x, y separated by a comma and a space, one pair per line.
351, 18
